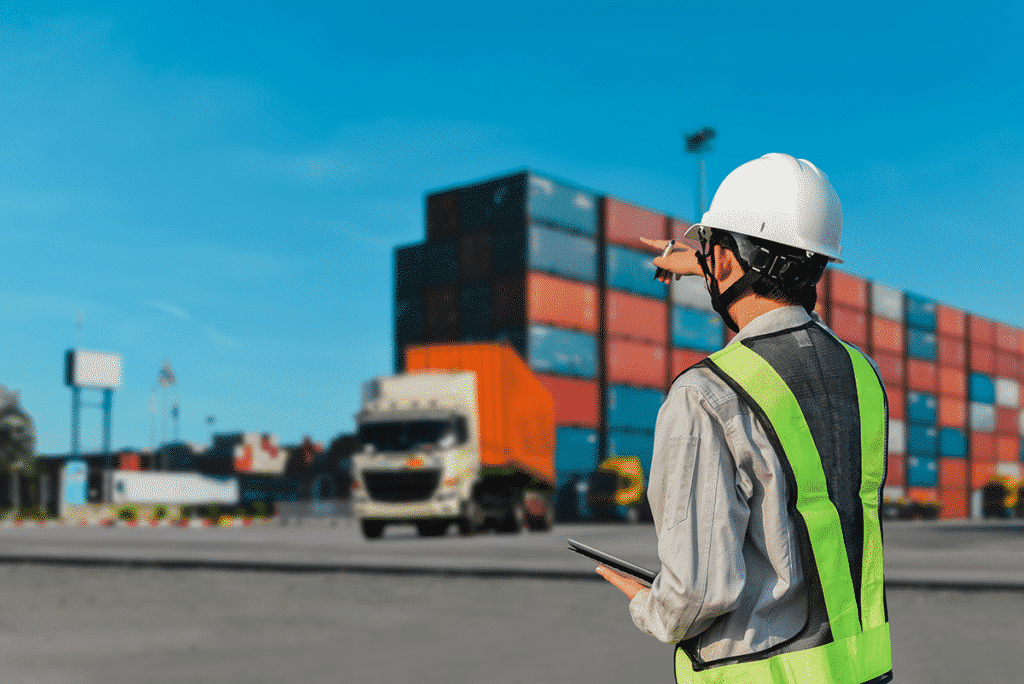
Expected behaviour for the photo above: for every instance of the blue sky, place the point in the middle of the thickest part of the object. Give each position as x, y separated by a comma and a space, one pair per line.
222, 184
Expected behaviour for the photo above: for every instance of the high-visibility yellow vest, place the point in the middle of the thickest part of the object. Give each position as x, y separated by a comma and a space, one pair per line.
824, 410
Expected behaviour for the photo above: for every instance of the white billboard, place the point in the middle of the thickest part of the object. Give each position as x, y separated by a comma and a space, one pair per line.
183, 489
93, 369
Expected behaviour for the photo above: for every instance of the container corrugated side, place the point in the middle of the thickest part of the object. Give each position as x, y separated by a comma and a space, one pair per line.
920, 312
922, 471
952, 412
561, 253
982, 358
442, 215
496, 203
892, 368
629, 362
1007, 364
576, 401
509, 250
922, 376
896, 471
922, 440
632, 316
897, 400
561, 204
952, 382
625, 224
850, 325
515, 410
952, 472
982, 417
1007, 447
409, 269
440, 262
632, 271
1020, 422
475, 309
921, 407
1007, 338
1007, 393
921, 344
954, 502
897, 436
691, 292
952, 443
982, 473
695, 329
683, 359
886, 302
981, 331
563, 352
575, 450
983, 388
441, 313
560, 302
951, 351
950, 321
848, 290
1006, 420
981, 446
637, 444
632, 408
887, 335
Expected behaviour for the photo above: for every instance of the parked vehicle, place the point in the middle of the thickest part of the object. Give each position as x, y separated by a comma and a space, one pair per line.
465, 435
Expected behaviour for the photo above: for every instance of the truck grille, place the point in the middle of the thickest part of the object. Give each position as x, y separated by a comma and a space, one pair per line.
416, 485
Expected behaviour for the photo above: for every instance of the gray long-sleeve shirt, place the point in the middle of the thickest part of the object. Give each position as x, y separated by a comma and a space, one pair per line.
730, 561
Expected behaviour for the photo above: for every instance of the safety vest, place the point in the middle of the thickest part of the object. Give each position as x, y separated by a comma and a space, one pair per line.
824, 410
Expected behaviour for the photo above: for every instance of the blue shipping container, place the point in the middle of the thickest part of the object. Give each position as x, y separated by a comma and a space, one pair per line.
509, 250
632, 271
639, 444
701, 330
983, 389
920, 312
952, 442
575, 450
921, 407
570, 497
563, 254
922, 471
496, 203
553, 202
922, 440
475, 309
409, 269
632, 408
566, 352
920, 344
441, 262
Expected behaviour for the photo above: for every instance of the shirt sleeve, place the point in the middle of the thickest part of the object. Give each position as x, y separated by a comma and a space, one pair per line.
701, 516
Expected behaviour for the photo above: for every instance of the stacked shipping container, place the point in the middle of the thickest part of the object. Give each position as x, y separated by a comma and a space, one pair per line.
559, 272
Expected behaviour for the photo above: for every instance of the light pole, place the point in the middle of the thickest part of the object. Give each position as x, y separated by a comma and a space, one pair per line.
699, 144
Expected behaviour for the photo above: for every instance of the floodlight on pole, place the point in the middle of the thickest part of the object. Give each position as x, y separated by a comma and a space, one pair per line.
699, 144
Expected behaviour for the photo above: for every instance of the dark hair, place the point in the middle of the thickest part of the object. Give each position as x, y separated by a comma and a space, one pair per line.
795, 282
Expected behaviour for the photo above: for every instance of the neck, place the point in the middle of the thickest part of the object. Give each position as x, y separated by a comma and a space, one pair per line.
750, 306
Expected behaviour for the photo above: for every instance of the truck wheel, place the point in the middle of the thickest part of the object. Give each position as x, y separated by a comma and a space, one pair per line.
432, 528
472, 519
372, 529
515, 517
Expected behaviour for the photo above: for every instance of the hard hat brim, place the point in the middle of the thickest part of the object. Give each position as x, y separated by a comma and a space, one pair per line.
694, 231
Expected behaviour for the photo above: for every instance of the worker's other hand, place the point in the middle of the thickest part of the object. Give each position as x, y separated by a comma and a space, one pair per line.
627, 585
682, 261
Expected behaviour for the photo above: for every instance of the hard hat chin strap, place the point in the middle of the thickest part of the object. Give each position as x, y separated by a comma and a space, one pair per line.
721, 301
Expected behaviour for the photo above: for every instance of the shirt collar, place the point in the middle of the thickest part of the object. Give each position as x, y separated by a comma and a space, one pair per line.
777, 319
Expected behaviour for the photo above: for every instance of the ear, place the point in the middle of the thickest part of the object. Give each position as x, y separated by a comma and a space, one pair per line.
726, 264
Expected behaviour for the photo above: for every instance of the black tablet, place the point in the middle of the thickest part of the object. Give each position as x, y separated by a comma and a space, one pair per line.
625, 567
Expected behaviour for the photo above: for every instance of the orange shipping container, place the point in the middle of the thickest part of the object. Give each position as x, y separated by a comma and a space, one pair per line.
951, 351
576, 401
954, 504
683, 359
848, 290
983, 447
981, 330
515, 410
822, 306
626, 224
983, 359
923, 494
952, 473
982, 473
1007, 447
950, 321
922, 376
887, 335
1007, 338
850, 325
897, 402
952, 382
891, 367
952, 412
636, 363
564, 303
896, 473
635, 317
129, 461
1007, 365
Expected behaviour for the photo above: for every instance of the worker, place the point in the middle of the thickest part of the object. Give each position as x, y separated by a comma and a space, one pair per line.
769, 456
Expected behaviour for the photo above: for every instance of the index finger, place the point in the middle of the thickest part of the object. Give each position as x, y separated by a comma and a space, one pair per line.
657, 244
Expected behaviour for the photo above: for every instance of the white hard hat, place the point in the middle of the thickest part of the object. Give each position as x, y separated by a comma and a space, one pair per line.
781, 199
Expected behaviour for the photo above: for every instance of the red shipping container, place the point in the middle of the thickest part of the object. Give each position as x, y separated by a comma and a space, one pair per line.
982, 447
952, 382
887, 335
952, 473
677, 229
954, 504
565, 303
923, 494
1007, 365
729, 334
982, 473
684, 358
1008, 446
981, 330
896, 473
635, 317
922, 376
576, 401
897, 402
848, 290
951, 351
822, 304
636, 363
850, 325
982, 359
1007, 338
950, 321
129, 461
625, 224
891, 367
952, 412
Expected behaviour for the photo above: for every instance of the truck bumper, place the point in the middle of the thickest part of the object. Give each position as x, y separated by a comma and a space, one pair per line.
420, 510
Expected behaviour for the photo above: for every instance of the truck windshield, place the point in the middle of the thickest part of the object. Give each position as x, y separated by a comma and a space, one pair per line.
404, 435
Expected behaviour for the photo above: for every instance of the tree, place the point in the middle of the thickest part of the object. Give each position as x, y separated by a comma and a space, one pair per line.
17, 436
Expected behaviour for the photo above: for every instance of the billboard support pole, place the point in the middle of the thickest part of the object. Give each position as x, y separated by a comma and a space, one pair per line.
108, 395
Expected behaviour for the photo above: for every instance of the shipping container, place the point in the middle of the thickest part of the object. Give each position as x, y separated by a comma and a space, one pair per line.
632, 408
896, 470
576, 401
981, 446
848, 290
920, 312
897, 436
129, 461
516, 336
952, 382
632, 316
562, 352
409, 318
625, 224
1007, 364
983, 389
922, 376
639, 444
684, 358
677, 231
821, 299
887, 335
409, 270
887, 302
923, 494
691, 292
475, 251
441, 313
982, 358
922, 471
440, 262
1020, 422
921, 344
496, 203
982, 417
850, 325
563, 303
982, 473
632, 271
922, 440
509, 250
575, 450
475, 310
981, 331
952, 443
950, 321
636, 363
1006, 420
563, 205
954, 503
562, 253
1009, 469
951, 351
1007, 338
897, 400
921, 407
1007, 448
508, 301
442, 215
892, 369
693, 329
952, 412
